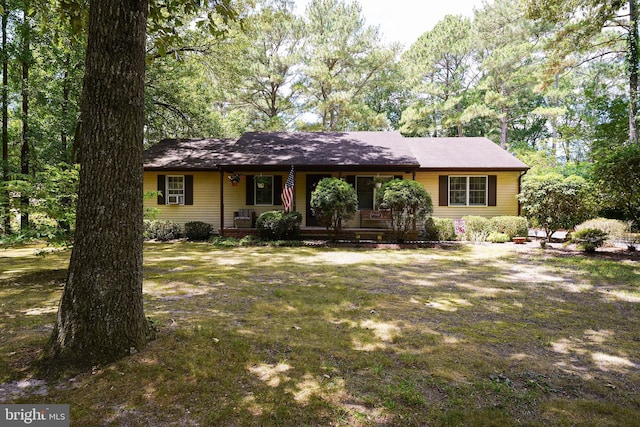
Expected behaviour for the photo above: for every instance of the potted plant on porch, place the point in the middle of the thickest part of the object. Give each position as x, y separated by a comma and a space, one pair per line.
234, 178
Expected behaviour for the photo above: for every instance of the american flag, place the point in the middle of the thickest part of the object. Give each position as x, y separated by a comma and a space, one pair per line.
287, 193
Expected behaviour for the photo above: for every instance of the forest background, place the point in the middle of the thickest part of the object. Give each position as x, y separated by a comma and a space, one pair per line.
554, 82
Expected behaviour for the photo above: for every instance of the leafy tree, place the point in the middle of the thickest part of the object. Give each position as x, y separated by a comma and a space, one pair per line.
617, 174
332, 201
273, 41
593, 29
4, 195
343, 59
439, 68
506, 61
554, 202
101, 316
409, 203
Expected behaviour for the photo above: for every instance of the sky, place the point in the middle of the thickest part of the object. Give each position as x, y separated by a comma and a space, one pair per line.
404, 21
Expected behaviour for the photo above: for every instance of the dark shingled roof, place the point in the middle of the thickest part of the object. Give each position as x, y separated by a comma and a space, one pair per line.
320, 150
335, 149
462, 154
188, 154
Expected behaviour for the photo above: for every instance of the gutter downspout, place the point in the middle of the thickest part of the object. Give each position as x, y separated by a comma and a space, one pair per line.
522, 174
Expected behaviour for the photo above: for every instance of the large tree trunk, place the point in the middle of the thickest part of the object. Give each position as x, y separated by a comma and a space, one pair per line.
25, 151
5, 118
101, 316
632, 63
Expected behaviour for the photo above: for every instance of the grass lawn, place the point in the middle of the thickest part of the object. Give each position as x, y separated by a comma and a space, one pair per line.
466, 335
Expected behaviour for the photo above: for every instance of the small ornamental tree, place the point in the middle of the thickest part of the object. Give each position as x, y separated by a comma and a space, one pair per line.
409, 203
332, 201
554, 202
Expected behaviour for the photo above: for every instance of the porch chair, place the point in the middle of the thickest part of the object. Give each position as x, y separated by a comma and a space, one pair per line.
244, 218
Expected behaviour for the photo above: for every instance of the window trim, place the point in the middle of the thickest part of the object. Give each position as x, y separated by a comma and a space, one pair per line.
467, 191
181, 197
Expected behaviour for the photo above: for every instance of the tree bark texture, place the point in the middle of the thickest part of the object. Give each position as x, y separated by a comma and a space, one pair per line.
101, 316
25, 149
5, 119
633, 71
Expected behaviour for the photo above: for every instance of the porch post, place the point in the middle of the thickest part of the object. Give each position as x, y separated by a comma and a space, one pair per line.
221, 202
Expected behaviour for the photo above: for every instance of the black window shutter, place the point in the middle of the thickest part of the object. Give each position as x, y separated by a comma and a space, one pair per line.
444, 190
277, 190
161, 189
351, 179
188, 189
493, 190
250, 196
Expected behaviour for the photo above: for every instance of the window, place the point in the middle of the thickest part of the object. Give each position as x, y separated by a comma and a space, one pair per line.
175, 190
263, 190
468, 191
366, 190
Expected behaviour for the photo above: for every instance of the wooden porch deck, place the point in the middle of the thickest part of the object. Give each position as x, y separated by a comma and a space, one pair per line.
350, 234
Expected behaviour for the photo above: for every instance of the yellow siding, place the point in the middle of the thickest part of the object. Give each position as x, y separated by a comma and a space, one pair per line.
506, 202
206, 197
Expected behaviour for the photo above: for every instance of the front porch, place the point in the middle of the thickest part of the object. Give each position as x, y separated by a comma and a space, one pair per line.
350, 234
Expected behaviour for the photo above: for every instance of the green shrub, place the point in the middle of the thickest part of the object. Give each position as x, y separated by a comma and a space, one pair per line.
409, 203
477, 228
332, 202
588, 239
197, 230
439, 229
616, 229
512, 226
162, 230
496, 237
277, 225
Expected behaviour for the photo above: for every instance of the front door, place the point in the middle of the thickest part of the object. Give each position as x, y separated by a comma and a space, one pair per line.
312, 181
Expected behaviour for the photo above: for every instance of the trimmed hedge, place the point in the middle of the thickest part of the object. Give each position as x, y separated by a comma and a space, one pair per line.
496, 237
615, 229
162, 230
198, 230
277, 225
439, 229
512, 226
479, 229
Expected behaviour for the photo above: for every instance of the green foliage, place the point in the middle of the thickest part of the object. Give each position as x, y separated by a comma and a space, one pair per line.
409, 203
344, 60
554, 202
617, 173
333, 201
278, 225
477, 228
197, 230
589, 239
481, 229
162, 230
439, 69
615, 229
439, 229
512, 226
498, 238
